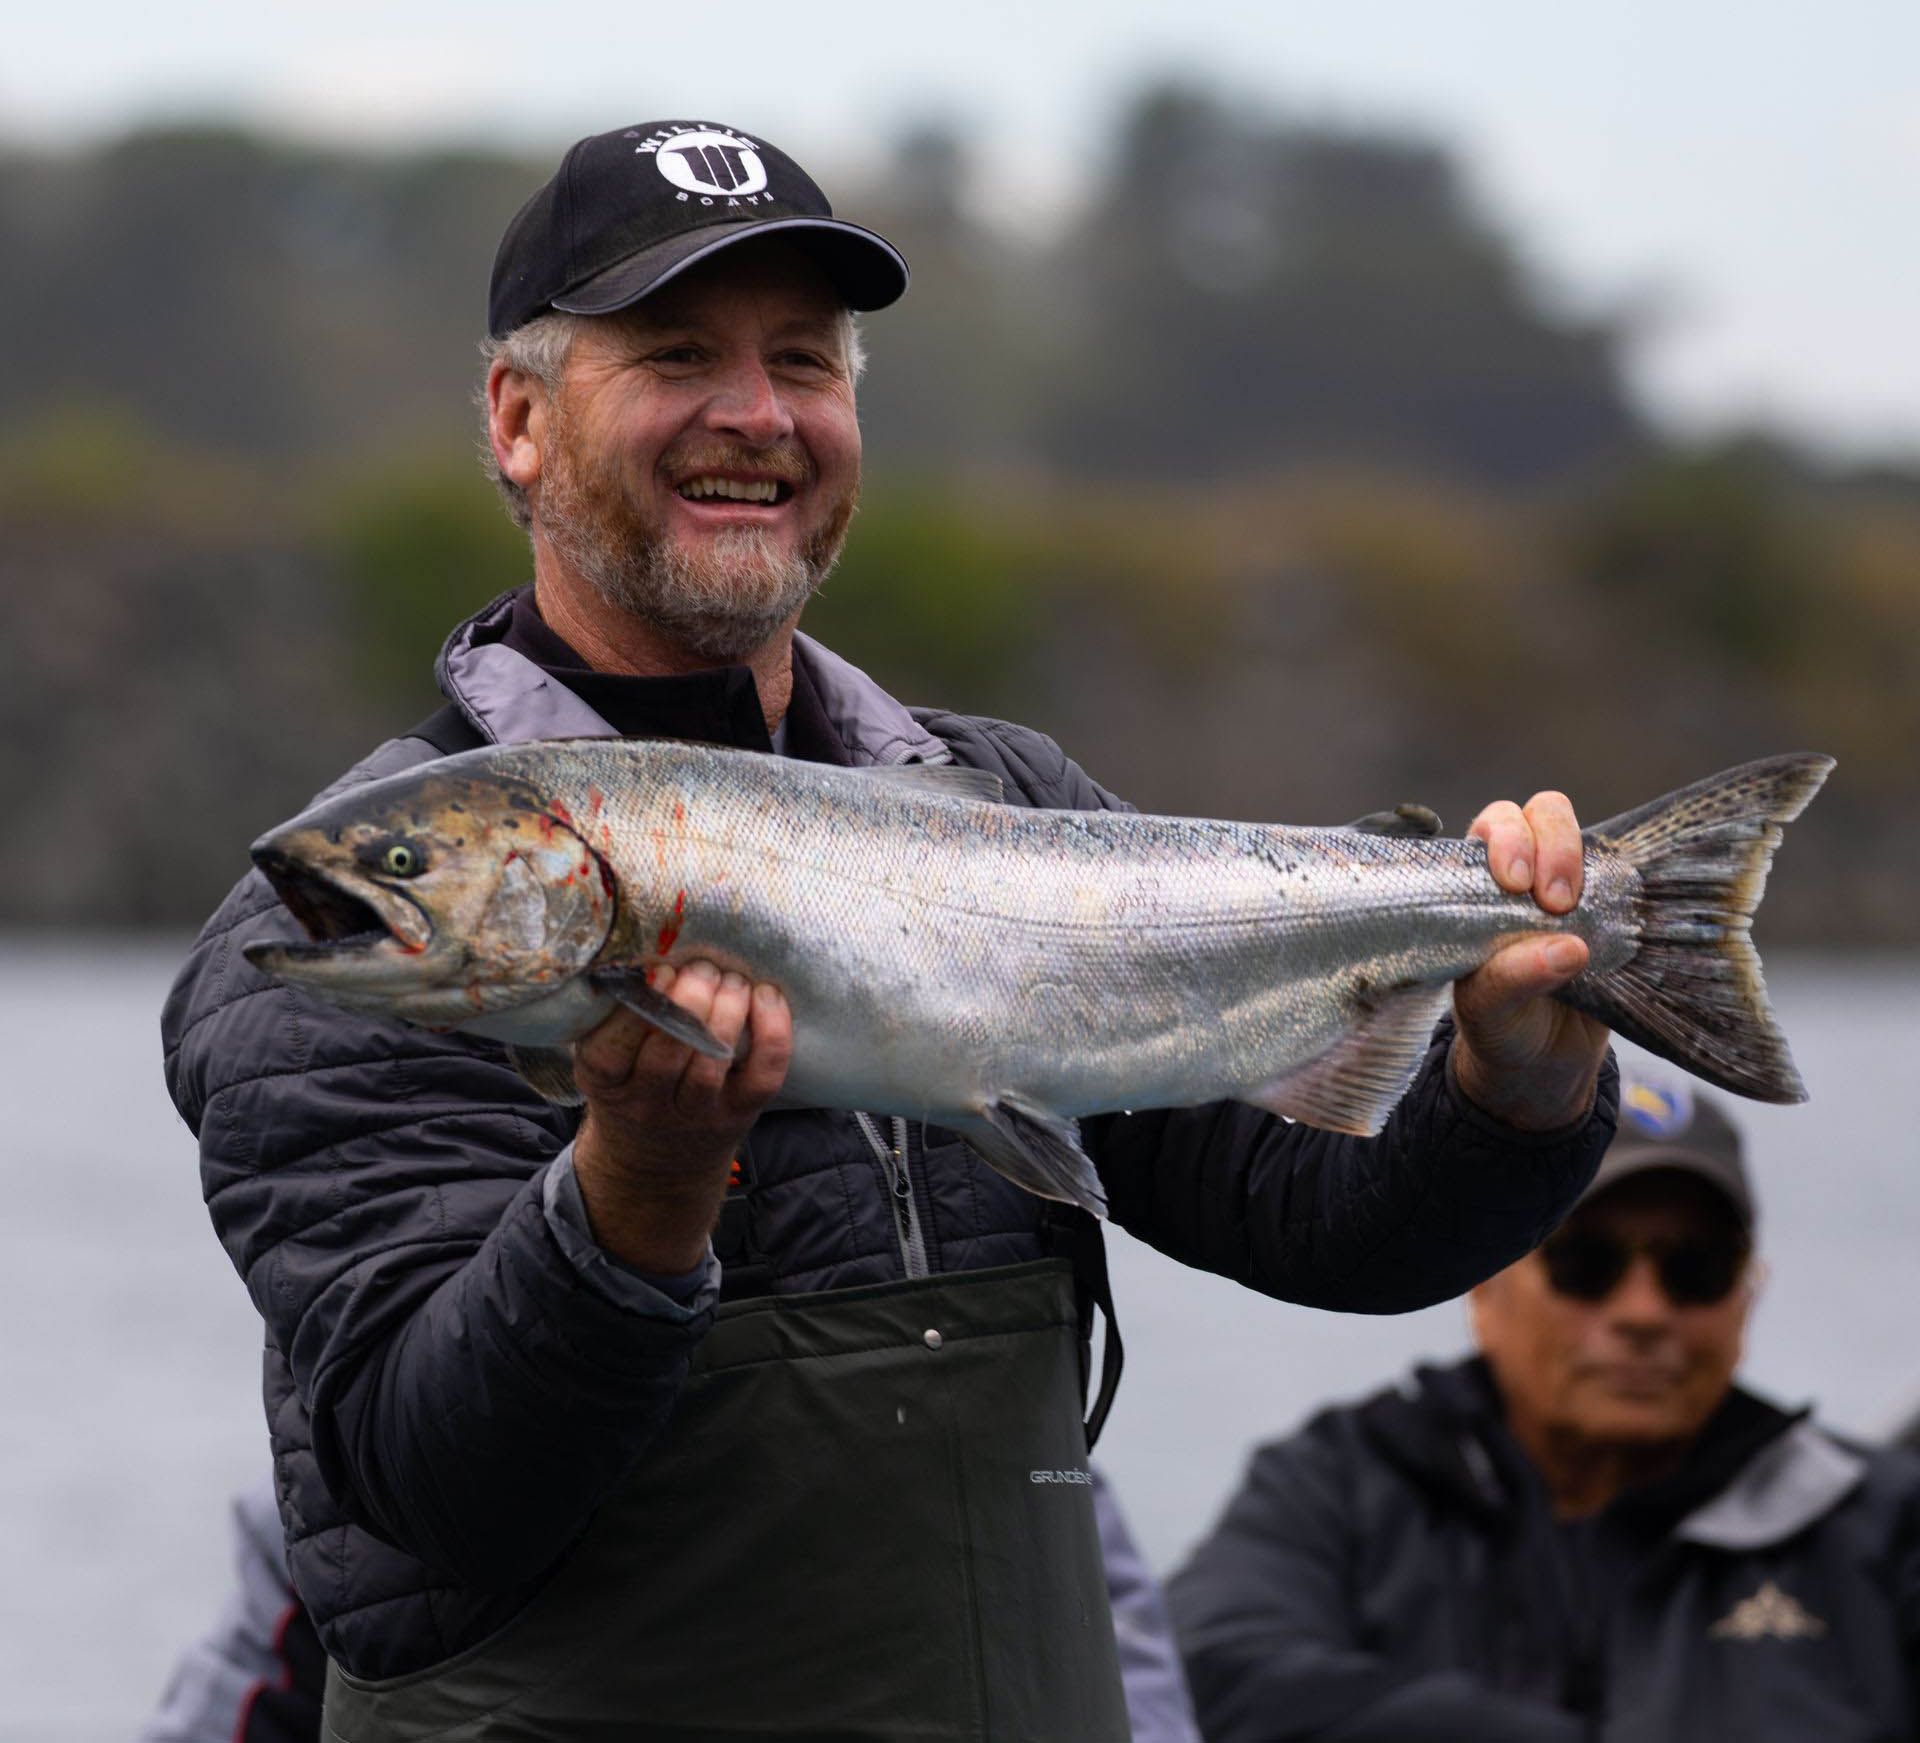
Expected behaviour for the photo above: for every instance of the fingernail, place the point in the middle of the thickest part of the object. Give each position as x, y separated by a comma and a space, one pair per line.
1563, 954
732, 981
1521, 871
1560, 893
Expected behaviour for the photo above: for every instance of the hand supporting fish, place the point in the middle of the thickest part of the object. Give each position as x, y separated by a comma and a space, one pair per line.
1519, 1053
663, 1122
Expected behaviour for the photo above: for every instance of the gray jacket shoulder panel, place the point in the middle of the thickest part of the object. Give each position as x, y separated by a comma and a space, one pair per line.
1795, 1480
871, 724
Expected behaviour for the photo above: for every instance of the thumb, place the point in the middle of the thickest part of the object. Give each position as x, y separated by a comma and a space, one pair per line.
1520, 972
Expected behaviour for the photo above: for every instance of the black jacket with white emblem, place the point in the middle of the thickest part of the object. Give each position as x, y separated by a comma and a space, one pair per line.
1393, 1574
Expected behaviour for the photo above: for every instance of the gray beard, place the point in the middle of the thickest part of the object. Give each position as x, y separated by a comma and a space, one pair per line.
719, 603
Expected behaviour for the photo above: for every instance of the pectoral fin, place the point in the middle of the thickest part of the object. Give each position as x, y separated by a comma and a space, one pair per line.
550, 1071
629, 986
1353, 1086
1039, 1150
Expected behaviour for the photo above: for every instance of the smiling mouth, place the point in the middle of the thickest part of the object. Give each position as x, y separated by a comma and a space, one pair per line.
760, 492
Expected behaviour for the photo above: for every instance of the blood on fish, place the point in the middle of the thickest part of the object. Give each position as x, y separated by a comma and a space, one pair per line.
671, 931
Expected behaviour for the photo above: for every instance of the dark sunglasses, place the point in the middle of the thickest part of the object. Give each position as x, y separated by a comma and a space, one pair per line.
1588, 1266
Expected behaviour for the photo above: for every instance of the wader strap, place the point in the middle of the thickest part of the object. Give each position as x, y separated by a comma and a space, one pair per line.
1078, 1237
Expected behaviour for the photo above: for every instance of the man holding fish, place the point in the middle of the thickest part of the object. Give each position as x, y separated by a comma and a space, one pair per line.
727, 1386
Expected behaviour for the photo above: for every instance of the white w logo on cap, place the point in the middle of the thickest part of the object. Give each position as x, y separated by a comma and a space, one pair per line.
712, 163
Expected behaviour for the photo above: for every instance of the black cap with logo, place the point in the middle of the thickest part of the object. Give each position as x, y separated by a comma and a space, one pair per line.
1664, 1124
628, 210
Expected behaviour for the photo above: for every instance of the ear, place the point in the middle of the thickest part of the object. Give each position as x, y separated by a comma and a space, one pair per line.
1483, 1301
516, 422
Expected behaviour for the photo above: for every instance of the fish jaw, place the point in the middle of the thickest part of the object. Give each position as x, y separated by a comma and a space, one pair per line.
438, 899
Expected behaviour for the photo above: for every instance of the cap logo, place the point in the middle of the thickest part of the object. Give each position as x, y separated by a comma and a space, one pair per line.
709, 162
1659, 1110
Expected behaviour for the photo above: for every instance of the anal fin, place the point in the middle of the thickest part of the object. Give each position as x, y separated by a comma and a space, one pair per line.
1038, 1149
549, 1070
1356, 1082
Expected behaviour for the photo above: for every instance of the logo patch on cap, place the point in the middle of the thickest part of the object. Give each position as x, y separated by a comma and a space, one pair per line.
711, 162
1659, 1110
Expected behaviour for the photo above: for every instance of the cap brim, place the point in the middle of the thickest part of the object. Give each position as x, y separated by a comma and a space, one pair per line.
1642, 1160
866, 269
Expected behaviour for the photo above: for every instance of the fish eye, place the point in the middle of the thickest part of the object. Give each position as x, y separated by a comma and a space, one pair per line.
394, 858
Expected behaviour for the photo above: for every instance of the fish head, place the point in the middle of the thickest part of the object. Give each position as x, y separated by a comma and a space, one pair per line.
439, 896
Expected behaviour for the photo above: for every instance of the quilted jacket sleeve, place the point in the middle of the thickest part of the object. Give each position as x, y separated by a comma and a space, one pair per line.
380, 1191
1438, 1200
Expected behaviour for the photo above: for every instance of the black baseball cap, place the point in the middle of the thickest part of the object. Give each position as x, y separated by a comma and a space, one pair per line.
1664, 1123
628, 210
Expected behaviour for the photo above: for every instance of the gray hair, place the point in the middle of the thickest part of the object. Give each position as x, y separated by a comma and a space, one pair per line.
540, 348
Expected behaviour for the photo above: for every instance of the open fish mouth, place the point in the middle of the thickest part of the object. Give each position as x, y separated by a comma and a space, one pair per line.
339, 920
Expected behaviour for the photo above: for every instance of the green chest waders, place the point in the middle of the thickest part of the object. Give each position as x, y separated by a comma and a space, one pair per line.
867, 1518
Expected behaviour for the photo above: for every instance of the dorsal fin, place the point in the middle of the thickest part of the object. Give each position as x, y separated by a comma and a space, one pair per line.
1409, 820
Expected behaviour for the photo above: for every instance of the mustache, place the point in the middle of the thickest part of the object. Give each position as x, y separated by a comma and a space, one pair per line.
787, 464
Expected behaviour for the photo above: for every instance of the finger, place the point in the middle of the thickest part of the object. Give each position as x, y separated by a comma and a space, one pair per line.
662, 1060
606, 1053
726, 1018
1529, 968
627, 1051
759, 1076
693, 988
1558, 854
1504, 828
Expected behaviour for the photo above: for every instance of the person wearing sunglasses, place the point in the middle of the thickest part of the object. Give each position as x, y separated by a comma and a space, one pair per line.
1588, 1531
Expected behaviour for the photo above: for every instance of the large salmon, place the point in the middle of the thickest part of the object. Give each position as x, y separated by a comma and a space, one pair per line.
995, 969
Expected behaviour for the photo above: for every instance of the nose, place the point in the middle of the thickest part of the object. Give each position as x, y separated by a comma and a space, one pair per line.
748, 406
1638, 1300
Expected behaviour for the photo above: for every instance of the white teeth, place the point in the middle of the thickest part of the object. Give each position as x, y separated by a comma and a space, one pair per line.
735, 489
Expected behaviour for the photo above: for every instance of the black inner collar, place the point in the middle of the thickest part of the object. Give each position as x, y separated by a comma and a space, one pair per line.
721, 706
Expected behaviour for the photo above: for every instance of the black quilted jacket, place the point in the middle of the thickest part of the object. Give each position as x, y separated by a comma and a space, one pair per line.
448, 1398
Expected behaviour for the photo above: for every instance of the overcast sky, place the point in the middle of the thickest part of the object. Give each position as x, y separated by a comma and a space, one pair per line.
1754, 165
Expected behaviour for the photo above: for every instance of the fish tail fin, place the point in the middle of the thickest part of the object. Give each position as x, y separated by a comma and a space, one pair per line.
1693, 992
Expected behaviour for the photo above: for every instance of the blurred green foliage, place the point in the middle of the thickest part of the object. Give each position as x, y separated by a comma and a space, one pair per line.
936, 594
416, 548
1716, 544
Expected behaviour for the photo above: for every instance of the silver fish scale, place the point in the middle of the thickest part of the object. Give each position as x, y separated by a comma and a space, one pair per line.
938, 951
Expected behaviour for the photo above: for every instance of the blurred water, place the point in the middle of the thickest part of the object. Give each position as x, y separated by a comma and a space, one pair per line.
129, 1363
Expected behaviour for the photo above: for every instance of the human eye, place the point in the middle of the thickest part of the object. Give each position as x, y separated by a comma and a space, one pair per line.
806, 360
675, 354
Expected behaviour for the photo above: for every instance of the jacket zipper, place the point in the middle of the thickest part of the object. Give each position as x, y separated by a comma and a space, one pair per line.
906, 1217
